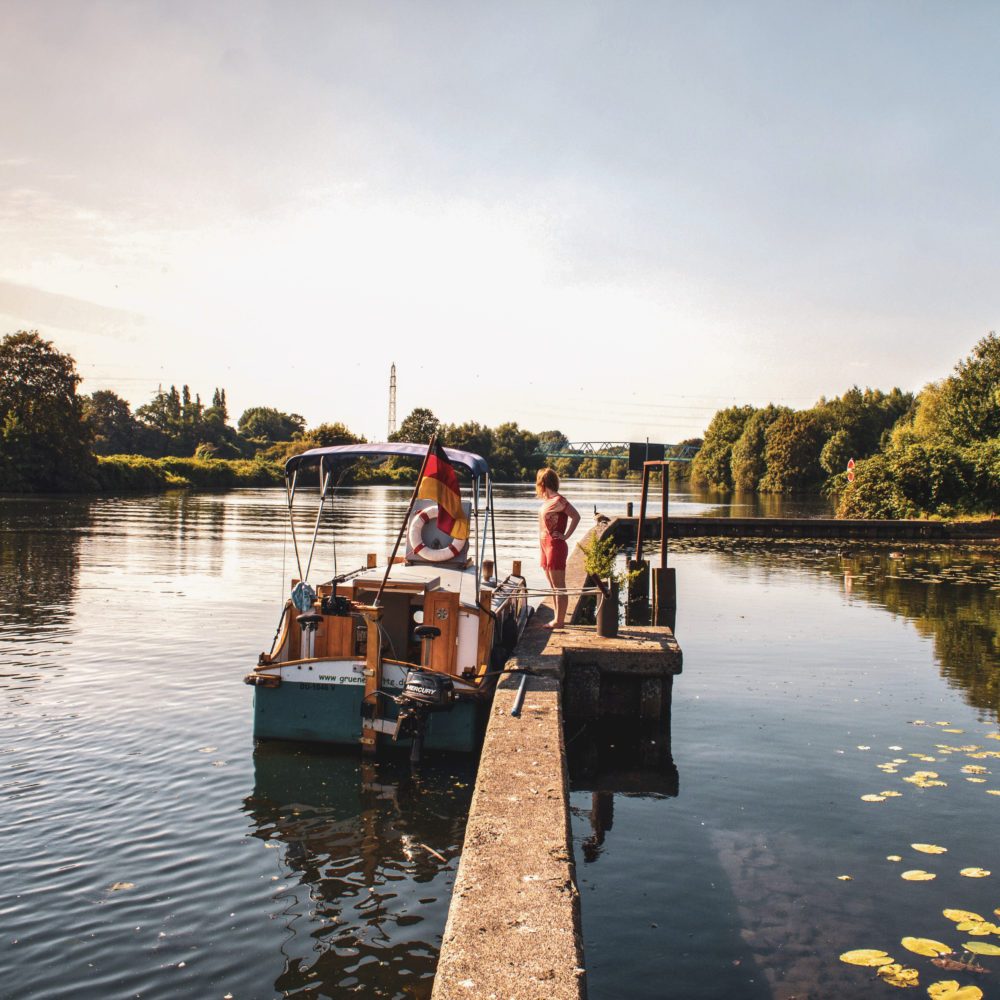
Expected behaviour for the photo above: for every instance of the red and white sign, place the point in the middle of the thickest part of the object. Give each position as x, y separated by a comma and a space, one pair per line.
850, 470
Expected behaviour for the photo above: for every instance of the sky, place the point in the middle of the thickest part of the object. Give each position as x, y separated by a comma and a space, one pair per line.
608, 218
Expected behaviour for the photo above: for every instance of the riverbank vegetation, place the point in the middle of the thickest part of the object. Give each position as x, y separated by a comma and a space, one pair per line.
53, 439
936, 454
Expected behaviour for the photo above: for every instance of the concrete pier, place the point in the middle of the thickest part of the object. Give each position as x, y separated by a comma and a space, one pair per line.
513, 929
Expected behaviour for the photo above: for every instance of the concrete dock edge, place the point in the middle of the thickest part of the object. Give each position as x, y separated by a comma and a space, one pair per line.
513, 930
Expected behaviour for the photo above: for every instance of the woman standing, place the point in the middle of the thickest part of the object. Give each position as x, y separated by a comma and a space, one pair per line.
557, 520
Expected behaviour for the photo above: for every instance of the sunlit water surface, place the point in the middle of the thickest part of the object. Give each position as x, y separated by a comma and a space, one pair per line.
147, 849
805, 669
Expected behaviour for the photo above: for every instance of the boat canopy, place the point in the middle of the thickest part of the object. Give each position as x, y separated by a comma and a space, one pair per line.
476, 464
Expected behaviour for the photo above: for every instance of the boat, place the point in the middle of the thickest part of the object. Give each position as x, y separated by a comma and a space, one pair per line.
408, 652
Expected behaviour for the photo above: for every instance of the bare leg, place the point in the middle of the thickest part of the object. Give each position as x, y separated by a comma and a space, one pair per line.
557, 577
548, 576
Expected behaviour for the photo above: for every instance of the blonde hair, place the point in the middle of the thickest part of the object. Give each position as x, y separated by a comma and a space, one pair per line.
546, 480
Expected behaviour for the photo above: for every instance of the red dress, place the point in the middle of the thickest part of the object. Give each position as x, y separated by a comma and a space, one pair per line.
552, 520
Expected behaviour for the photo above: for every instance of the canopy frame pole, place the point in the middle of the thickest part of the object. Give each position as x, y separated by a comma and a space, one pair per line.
475, 505
324, 475
493, 521
290, 497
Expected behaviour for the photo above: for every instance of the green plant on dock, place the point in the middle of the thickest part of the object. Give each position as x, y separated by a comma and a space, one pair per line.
600, 557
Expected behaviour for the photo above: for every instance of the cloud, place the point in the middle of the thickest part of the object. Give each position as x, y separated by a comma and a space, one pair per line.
34, 307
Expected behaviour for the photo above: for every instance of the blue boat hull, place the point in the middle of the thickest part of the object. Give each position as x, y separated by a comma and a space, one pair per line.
328, 713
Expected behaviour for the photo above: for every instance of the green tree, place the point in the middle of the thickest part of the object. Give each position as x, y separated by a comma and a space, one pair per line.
219, 404
162, 424
791, 453
329, 435
552, 440
591, 468
419, 426
865, 415
565, 468
712, 466
470, 436
837, 452
747, 464
971, 397
265, 423
114, 429
44, 438
513, 455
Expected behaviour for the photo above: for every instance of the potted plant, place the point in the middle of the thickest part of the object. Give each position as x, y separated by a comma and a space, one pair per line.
599, 561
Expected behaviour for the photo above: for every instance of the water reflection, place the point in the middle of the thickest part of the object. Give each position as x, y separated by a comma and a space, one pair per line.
368, 852
953, 598
39, 571
608, 758
951, 595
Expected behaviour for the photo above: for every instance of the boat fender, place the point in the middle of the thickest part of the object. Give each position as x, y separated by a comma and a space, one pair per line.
416, 538
263, 680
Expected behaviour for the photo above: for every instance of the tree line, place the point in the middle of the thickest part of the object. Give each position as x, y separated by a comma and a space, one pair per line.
936, 453
54, 439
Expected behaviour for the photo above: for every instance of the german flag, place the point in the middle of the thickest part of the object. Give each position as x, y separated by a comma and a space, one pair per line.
440, 484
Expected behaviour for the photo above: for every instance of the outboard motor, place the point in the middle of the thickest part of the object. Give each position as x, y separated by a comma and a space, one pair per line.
424, 691
434, 692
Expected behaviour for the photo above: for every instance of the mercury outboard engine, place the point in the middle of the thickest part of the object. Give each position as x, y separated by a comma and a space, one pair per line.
424, 691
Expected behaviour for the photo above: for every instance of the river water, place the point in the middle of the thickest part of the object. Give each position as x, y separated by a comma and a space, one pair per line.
148, 850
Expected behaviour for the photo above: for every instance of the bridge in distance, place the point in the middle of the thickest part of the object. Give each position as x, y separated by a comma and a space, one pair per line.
633, 452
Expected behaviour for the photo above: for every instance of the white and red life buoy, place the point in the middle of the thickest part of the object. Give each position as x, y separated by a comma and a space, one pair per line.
416, 538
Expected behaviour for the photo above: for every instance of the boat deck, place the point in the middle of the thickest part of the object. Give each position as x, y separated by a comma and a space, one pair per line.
425, 576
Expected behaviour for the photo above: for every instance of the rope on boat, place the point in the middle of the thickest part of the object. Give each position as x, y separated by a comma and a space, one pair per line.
559, 591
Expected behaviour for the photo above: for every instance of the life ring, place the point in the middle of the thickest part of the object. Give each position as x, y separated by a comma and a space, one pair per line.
416, 538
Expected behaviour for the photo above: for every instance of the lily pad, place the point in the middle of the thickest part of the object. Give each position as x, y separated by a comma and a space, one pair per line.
872, 798
929, 848
975, 872
981, 948
959, 915
899, 975
978, 928
925, 946
869, 957
917, 875
948, 989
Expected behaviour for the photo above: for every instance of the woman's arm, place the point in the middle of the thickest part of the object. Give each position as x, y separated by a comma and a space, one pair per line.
573, 519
